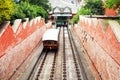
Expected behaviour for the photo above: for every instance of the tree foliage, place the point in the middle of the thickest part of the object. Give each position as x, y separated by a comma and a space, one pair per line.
82, 11
27, 10
96, 6
30, 10
44, 3
91, 6
7, 8
112, 4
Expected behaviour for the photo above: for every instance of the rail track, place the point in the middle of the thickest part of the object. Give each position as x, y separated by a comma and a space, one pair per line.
44, 67
59, 65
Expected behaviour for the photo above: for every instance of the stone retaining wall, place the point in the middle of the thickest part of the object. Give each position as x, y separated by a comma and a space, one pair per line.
101, 40
17, 43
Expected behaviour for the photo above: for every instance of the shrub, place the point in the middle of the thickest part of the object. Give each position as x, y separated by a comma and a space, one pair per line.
82, 11
112, 4
41, 12
25, 9
96, 6
7, 8
91, 6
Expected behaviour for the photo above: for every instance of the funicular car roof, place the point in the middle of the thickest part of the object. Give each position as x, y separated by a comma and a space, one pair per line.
51, 34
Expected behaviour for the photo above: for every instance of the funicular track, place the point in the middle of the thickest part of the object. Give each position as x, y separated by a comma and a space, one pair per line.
80, 70
79, 74
40, 66
45, 65
59, 65
64, 57
73, 66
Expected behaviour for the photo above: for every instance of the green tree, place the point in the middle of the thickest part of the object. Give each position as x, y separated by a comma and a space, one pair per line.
44, 4
96, 6
7, 8
82, 11
112, 4
27, 10
91, 6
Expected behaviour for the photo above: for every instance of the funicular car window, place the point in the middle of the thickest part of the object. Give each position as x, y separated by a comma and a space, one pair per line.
49, 42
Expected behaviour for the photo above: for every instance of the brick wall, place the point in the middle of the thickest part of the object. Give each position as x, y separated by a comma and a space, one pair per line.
101, 41
16, 44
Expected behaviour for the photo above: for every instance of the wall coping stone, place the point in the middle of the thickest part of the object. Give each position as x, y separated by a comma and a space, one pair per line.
16, 25
3, 27
31, 22
89, 21
38, 18
116, 28
35, 20
25, 23
95, 22
103, 24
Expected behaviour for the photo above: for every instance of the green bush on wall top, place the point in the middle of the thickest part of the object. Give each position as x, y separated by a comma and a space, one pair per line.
112, 4
91, 6
7, 8
82, 11
27, 10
